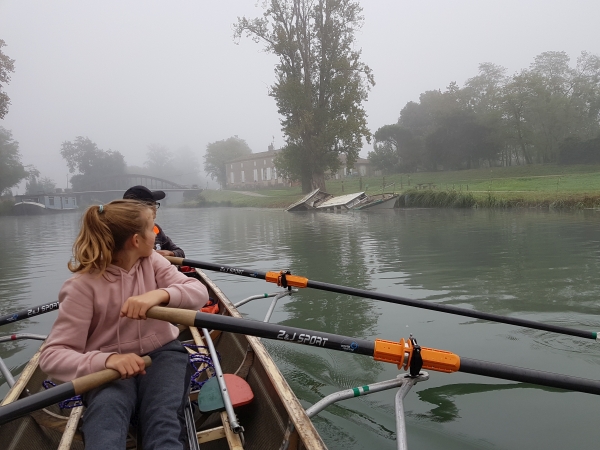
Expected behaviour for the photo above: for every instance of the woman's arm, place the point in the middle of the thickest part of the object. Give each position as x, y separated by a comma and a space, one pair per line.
184, 292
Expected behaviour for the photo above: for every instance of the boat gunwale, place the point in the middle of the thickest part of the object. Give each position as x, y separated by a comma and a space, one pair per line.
302, 423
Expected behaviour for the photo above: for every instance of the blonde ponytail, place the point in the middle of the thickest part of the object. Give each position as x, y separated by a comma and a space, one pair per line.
104, 231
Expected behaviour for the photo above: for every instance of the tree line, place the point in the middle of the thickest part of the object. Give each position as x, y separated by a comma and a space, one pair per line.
548, 113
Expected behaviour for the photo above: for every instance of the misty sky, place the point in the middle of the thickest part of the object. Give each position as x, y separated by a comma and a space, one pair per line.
131, 73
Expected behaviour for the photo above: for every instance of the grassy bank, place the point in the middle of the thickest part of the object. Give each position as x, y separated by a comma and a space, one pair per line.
546, 186
267, 198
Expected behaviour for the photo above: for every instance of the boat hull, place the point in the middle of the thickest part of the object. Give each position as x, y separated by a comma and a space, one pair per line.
310, 201
34, 209
379, 202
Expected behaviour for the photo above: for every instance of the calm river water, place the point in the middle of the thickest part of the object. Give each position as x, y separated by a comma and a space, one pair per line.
537, 265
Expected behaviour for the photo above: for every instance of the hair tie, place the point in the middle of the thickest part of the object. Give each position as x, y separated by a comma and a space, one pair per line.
101, 209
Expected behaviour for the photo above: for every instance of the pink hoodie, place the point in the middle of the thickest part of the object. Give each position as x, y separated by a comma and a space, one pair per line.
88, 328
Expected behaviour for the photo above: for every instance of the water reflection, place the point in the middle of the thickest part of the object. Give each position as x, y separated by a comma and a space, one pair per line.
443, 397
510, 261
328, 247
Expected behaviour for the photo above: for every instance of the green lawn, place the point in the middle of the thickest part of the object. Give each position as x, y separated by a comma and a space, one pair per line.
539, 185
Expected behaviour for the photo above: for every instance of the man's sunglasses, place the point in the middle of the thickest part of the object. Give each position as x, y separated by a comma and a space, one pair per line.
154, 205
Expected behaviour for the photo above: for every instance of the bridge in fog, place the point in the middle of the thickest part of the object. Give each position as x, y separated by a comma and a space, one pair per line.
112, 188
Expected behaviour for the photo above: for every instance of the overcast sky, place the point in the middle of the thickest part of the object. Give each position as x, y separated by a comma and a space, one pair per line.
131, 73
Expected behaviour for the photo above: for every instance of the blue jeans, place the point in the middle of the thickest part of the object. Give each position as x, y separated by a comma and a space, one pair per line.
156, 400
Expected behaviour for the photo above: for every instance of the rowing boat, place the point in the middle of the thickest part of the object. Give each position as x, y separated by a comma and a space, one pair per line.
274, 419
318, 200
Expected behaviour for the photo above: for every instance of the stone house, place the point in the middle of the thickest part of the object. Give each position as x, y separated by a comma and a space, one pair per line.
257, 170
254, 171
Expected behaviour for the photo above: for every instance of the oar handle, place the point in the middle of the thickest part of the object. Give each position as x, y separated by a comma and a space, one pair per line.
172, 315
88, 382
24, 406
175, 260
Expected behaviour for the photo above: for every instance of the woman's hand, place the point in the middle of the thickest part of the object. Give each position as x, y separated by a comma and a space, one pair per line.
165, 252
135, 307
128, 365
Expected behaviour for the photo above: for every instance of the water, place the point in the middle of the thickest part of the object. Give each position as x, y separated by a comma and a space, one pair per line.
537, 265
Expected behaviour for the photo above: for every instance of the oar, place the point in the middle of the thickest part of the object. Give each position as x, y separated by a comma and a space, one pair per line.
27, 313
400, 353
59, 393
285, 280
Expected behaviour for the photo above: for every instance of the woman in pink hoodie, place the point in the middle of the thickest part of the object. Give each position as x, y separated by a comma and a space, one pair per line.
102, 324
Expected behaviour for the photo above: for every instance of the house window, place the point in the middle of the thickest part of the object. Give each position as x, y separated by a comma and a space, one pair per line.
232, 178
255, 173
231, 166
51, 201
242, 165
274, 173
243, 176
254, 163
265, 162
268, 173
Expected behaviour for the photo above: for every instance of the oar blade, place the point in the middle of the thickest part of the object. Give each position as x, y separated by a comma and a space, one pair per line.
210, 398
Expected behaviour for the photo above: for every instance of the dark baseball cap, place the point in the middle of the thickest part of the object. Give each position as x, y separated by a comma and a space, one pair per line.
142, 193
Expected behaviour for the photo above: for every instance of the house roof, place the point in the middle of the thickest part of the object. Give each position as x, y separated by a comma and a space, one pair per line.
272, 153
250, 157
358, 160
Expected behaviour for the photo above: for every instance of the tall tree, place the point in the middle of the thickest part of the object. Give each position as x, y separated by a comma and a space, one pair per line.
187, 167
321, 83
159, 161
7, 66
12, 170
219, 152
91, 163
181, 166
395, 150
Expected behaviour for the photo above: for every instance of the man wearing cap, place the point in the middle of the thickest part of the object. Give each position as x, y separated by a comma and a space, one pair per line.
162, 244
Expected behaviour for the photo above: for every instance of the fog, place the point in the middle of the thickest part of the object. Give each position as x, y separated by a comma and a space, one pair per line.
128, 74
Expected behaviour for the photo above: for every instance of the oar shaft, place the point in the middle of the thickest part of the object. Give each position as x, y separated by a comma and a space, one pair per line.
59, 393
449, 309
217, 267
27, 313
364, 347
262, 329
452, 310
495, 370
34, 402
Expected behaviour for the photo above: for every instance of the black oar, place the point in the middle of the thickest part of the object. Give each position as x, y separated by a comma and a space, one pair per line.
286, 280
27, 313
78, 386
399, 353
